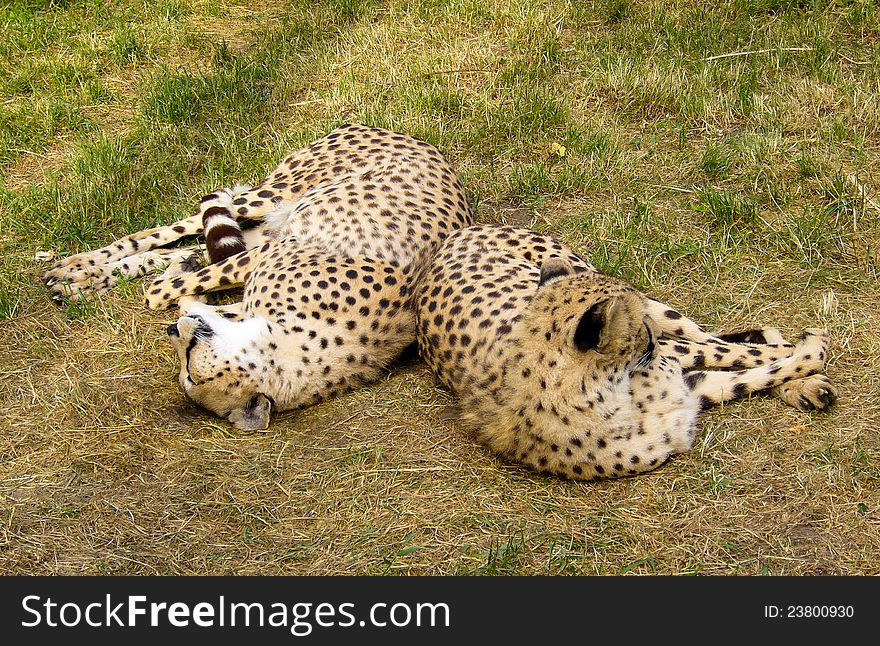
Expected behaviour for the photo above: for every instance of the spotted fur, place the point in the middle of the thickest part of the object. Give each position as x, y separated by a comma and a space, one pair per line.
311, 325
356, 191
573, 372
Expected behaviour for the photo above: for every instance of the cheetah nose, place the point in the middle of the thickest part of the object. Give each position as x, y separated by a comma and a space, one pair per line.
172, 330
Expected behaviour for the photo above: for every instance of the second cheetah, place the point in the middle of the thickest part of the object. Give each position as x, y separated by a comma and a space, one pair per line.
575, 373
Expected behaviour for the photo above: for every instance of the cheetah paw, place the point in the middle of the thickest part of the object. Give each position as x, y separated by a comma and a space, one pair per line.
816, 392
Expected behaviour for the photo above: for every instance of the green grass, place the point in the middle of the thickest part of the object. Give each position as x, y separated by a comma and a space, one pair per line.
721, 156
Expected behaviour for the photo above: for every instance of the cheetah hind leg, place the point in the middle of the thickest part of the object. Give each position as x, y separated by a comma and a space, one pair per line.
146, 240
716, 386
816, 392
80, 283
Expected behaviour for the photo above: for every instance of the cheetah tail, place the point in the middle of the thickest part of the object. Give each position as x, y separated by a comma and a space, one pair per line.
223, 236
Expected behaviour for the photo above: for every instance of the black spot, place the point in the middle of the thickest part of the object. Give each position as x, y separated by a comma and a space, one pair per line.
693, 378
747, 336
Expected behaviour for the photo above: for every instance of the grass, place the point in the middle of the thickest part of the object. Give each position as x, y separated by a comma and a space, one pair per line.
722, 157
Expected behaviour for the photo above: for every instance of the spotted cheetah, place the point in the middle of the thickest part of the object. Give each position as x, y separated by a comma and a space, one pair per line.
357, 191
573, 372
327, 274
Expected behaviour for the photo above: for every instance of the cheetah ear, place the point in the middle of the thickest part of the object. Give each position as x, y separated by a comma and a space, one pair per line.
253, 416
600, 325
589, 328
553, 268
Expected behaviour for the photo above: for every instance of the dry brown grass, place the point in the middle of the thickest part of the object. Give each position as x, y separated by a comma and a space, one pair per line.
105, 469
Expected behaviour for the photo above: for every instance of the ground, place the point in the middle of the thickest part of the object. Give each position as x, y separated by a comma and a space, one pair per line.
725, 158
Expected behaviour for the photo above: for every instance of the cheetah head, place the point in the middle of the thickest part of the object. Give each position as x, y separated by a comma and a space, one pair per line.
218, 366
588, 324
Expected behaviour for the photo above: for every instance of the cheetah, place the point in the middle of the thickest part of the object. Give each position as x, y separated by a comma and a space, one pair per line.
327, 272
357, 191
575, 373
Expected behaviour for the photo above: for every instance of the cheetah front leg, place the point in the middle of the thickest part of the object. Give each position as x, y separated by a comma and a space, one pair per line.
165, 291
816, 392
673, 323
716, 386
719, 353
232, 311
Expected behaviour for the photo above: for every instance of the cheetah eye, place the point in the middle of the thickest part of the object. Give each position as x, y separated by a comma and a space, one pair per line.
187, 356
203, 330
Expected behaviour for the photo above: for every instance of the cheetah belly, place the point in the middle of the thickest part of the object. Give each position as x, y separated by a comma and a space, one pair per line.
398, 212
